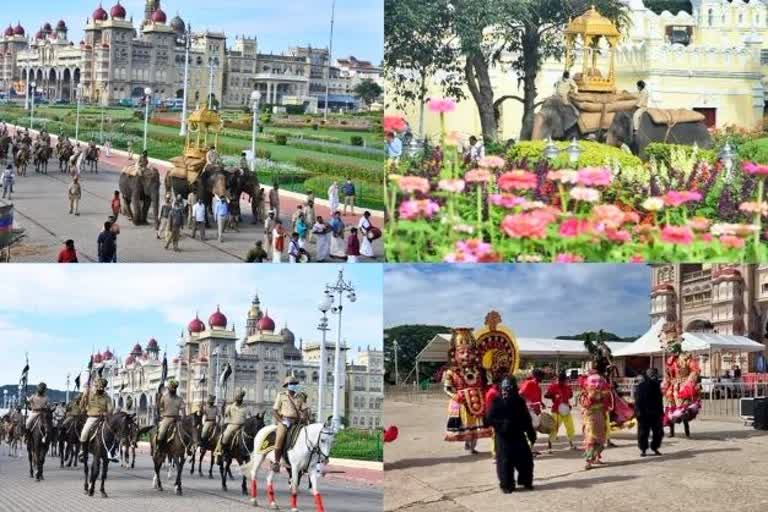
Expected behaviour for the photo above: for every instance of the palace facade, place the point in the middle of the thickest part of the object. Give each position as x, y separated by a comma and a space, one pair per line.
118, 59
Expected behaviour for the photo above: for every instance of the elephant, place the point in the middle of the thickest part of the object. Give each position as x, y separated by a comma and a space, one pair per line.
621, 132
556, 119
140, 192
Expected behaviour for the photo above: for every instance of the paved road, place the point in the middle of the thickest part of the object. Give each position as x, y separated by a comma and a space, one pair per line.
722, 467
42, 209
132, 490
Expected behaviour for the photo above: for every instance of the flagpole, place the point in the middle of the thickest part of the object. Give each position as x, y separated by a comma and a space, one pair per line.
330, 56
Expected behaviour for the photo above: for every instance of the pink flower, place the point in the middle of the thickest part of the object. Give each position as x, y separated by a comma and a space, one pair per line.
414, 184
589, 195
532, 205
618, 235
441, 105
705, 237
492, 162
754, 207
574, 227
636, 259
675, 198
472, 251
681, 235
564, 176
414, 209
451, 185
699, 224
506, 200
517, 180
394, 124
595, 176
609, 215
525, 225
732, 241
567, 257
478, 176
753, 168
740, 230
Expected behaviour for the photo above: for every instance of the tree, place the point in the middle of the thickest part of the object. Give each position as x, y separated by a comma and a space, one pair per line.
368, 91
607, 336
411, 339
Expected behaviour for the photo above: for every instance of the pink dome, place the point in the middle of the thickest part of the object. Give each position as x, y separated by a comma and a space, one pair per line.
196, 325
136, 350
97, 358
9, 31
117, 12
47, 28
129, 360
107, 355
40, 35
61, 25
217, 319
159, 16
18, 30
266, 323
100, 14
152, 345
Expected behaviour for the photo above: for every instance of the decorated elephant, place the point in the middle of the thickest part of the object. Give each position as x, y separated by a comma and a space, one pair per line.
557, 120
622, 131
140, 191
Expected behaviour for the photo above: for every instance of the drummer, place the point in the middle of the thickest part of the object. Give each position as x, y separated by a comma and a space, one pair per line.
560, 393
530, 390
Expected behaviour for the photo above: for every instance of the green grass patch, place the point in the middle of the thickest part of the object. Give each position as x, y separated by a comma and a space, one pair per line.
359, 445
368, 194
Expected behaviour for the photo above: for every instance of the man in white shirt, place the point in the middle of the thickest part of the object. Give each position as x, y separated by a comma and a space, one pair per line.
198, 212
476, 151
642, 103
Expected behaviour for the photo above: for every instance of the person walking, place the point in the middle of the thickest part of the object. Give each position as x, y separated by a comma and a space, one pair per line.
115, 204
9, 176
368, 234
162, 222
198, 214
74, 192
333, 197
301, 231
560, 393
278, 241
68, 253
322, 233
221, 214
257, 254
353, 246
294, 248
274, 200
349, 196
115, 229
295, 216
338, 250
269, 226
106, 244
175, 223
649, 410
514, 436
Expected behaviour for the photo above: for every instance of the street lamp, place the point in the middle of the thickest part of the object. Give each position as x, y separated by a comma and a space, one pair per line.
33, 86
218, 377
574, 151
187, 47
5, 399
726, 156
324, 307
213, 63
395, 345
66, 397
26, 96
550, 150
147, 100
79, 94
330, 55
255, 100
338, 288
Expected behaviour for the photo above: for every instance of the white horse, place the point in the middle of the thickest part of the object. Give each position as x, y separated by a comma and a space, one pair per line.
311, 451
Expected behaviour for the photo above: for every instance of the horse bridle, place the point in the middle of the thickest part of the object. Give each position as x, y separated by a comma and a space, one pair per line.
323, 458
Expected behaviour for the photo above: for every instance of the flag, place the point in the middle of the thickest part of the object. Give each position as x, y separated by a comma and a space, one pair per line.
24, 376
225, 374
164, 373
77, 383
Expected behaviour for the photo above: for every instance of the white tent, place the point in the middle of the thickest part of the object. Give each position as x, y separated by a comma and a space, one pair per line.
647, 344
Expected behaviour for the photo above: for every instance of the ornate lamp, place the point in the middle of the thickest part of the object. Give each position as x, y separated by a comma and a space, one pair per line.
574, 151
726, 156
550, 150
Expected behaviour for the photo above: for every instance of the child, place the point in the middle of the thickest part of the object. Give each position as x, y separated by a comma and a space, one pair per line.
116, 204
353, 246
293, 248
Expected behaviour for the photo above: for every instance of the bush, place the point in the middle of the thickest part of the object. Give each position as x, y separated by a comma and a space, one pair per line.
315, 126
294, 109
593, 154
281, 140
358, 444
327, 167
755, 151
339, 149
265, 118
662, 153
368, 194
356, 140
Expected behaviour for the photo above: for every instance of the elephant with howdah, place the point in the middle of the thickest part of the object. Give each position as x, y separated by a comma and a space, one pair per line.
140, 191
622, 131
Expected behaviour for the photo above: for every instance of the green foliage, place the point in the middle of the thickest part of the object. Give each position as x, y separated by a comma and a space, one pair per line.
662, 153
281, 140
356, 444
336, 168
411, 339
265, 118
340, 149
356, 140
368, 91
315, 126
369, 194
755, 151
593, 154
295, 110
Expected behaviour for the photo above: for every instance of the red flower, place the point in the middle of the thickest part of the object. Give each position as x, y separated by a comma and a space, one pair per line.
682, 235
394, 124
526, 225
517, 180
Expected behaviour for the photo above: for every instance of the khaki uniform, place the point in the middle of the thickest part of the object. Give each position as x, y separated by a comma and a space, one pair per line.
288, 411
642, 106
235, 417
96, 405
37, 403
171, 408
72, 412
75, 193
211, 412
143, 162
564, 87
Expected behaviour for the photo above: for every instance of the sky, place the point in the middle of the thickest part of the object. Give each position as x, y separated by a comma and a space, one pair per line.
59, 313
359, 27
534, 300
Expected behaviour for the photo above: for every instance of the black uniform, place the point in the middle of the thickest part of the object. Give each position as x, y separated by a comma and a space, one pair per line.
512, 424
649, 409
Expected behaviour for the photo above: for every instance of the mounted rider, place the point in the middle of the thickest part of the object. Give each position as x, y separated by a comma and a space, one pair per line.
235, 417
73, 411
44, 137
171, 409
37, 403
58, 414
210, 418
97, 406
289, 410
143, 161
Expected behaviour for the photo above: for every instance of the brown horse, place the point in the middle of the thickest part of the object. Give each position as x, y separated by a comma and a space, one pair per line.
239, 450
41, 156
92, 158
69, 440
128, 447
21, 160
14, 433
64, 152
182, 440
206, 444
38, 439
103, 440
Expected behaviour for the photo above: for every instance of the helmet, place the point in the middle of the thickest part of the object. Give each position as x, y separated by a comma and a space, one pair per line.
240, 395
211, 400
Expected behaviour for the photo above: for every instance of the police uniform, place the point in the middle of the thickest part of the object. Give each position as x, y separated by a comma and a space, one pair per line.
37, 403
171, 408
96, 406
72, 412
288, 410
235, 417
211, 413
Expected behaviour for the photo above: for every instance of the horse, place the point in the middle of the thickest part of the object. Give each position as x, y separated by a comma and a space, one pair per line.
38, 438
69, 440
41, 157
128, 447
309, 453
104, 437
182, 439
205, 445
21, 160
238, 450
92, 158
14, 433
64, 153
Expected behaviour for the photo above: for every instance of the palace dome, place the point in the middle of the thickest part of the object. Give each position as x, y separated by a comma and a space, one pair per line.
159, 16
152, 345
100, 14
47, 28
18, 30
287, 335
266, 323
177, 24
118, 11
97, 358
107, 355
61, 25
196, 325
40, 35
9, 31
129, 360
217, 319
136, 350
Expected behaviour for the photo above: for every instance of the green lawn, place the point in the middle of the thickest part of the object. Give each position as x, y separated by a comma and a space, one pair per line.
359, 444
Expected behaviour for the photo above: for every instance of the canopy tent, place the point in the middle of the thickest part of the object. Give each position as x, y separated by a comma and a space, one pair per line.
647, 344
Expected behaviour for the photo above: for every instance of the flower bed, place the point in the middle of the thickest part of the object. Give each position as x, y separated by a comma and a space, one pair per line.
335, 168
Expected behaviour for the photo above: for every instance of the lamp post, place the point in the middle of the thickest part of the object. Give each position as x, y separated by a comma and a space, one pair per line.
255, 100
395, 345
66, 396
79, 94
726, 156
5, 399
187, 47
330, 56
218, 378
332, 290
26, 96
32, 104
324, 307
213, 63
147, 100
550, 150
573, 151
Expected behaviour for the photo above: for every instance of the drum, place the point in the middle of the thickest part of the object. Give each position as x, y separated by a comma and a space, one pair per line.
563, 409
535, 419
374, 233
547, 423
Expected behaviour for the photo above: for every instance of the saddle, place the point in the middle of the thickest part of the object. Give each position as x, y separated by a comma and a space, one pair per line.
268, 444
671, 117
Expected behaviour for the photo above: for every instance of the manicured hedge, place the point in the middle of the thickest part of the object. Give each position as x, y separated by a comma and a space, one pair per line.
755, 151
593, 154
328, 167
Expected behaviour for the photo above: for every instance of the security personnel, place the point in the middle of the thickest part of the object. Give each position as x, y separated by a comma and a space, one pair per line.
287, 411
211, 413
72, 412
235, 417
37, 403
171, 409
97, 406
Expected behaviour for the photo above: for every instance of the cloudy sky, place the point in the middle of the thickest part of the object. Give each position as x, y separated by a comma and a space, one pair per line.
58, 313
278, 25
534, 300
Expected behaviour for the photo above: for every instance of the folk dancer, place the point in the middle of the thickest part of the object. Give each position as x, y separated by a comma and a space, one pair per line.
594, 399
560, 393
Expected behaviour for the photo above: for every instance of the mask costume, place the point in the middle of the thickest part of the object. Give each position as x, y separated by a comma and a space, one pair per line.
681, 376
621, 414
595, 400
